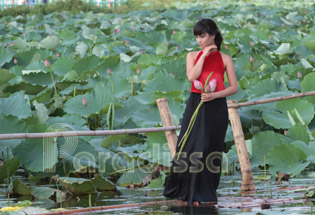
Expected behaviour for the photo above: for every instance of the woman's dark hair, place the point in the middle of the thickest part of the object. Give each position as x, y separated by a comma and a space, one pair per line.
210, 27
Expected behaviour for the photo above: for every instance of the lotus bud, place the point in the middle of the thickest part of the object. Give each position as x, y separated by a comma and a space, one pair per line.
142, 51
176, 47
299, 74
226, 47
84, 102
251, 59
127, 42
213, 84
133, 27
251, 43
299, 22
74, 56
197, 84
57, 54
24, 34
108, 71
173, 76
285, 132
270, 37
304, 20
5, 44
15, 61
138, 71
282, 24
174, 32
12, 43
117, 30
47, 64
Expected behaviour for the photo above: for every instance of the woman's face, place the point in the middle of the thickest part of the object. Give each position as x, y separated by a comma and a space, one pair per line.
205, 40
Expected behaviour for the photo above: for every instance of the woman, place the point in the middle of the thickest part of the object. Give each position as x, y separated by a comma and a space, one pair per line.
195, 176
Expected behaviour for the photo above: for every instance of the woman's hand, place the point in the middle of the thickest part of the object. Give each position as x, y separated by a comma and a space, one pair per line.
207, 97
207, 50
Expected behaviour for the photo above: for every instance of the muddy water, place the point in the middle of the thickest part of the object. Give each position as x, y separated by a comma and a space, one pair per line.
230, 199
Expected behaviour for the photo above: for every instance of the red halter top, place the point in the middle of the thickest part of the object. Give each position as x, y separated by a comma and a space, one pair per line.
213, 63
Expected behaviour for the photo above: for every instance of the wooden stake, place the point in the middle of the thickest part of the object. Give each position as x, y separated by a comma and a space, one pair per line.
246, 171
167, 121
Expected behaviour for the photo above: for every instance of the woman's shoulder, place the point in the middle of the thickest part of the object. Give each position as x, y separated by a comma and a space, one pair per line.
193, 54
226, 58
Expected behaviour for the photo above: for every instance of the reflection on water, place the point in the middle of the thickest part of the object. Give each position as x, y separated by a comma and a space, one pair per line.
194, 210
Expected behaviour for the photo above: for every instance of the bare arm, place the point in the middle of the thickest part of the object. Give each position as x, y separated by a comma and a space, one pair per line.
232, 89
193, 70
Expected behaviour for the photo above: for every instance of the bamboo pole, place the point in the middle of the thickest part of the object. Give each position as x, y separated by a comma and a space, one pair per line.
85, 133
167, 121
246, 171
275, 99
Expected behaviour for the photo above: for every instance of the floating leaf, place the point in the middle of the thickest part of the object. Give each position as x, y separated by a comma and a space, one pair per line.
77, 186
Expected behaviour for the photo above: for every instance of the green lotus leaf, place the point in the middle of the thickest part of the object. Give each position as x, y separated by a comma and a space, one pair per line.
63, 65
309, 149
8, 169
51, 42
19, 188
162, 49
102, 184
81, 48
299, 132
68, 37
157, 183
5, 58
147, 117
77, 186
16, 105
303, 108
308, 85
276, 119
44, 193
157, 150
98, 102
262, 143
86, 65
279, 160
37, 155
133, 176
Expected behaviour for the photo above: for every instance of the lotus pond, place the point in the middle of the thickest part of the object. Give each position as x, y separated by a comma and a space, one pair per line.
230, 199
89, 72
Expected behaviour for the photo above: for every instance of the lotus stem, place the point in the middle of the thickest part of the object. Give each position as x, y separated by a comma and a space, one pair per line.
53, 82
87, 117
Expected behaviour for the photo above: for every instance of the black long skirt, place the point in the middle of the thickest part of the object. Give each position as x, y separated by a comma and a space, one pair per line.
196, 174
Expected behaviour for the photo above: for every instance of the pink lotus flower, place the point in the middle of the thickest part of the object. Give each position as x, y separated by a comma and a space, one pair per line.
117, 30
226, 47
251, 43
15, 61
270, 37
12, 44
174, 32
108, 71
84, 102
251, 59
57, 54
299, 22
197, 84
47, 64
299, 74
138, 71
